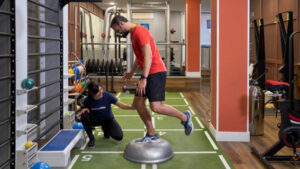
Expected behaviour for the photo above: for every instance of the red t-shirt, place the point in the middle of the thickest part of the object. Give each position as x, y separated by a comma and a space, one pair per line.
140, 36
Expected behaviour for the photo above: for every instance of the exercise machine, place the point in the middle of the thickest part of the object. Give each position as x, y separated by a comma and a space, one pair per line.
289, 133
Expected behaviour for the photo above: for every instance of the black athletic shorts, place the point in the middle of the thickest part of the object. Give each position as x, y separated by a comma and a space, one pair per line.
155, 88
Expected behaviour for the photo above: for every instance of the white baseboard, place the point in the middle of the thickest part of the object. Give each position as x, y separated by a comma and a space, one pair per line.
193, 74
229, 136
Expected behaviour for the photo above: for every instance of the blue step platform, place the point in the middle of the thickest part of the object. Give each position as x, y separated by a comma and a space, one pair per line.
57, 151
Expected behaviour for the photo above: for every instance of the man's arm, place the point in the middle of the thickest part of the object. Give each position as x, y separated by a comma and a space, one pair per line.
124, 106
141, 89
128, 75
147, 59
134, 66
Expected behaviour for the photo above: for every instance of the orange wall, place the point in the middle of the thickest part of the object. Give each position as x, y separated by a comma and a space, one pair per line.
233, 65
193, 35
213, 70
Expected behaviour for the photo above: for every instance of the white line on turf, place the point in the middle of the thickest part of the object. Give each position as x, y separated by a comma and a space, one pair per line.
181, 95
176, 129
211, 141
133, 130
186, 102
154, 166
199, 122
121, 152
127, 97
155, 129
175, 98
196, 152
73, 161
143, 166
171, 98
224, 161
192, 111
127, 115
102, 152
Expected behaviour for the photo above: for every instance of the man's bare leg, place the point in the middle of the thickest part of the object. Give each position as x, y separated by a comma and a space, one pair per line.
139, 104
168, 110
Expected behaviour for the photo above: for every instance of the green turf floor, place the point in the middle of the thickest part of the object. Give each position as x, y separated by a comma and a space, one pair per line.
197, 151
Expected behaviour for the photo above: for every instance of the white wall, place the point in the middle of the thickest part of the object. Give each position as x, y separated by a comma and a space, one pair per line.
158, 30
97, 31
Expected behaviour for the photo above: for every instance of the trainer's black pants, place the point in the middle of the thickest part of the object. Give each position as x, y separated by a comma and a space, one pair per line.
110, 128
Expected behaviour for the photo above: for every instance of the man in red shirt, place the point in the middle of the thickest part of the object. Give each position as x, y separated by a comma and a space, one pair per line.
153, 79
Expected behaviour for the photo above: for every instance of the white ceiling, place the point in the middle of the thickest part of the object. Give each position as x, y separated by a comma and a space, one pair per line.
175, 5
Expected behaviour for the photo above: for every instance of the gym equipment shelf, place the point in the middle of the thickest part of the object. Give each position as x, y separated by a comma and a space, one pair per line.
68, 88
28, 156
69, 120
26, 109
67, 76
29, 129
22, 91
70, 101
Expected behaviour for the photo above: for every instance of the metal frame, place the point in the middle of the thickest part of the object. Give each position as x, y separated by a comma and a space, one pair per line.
84, 31
43, 38
48, 114
61, 80
6, 56
11, 141
91, 32
44, 6
43, 54
42, 21
159, 43
23, 108
13, 87
44, 70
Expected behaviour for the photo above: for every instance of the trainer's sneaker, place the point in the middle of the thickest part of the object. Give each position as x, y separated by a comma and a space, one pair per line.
147, 139
106, 135
188, 124
91, 143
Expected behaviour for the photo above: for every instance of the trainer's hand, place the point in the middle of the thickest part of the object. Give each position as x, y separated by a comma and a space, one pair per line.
132, 107
141, 88
83, 110
127, 76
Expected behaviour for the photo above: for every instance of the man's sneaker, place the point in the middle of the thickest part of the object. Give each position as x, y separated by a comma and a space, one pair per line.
148, 139
91, 143
188, 124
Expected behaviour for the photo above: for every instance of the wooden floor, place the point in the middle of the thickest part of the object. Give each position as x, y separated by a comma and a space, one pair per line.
240, 153
198, 92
